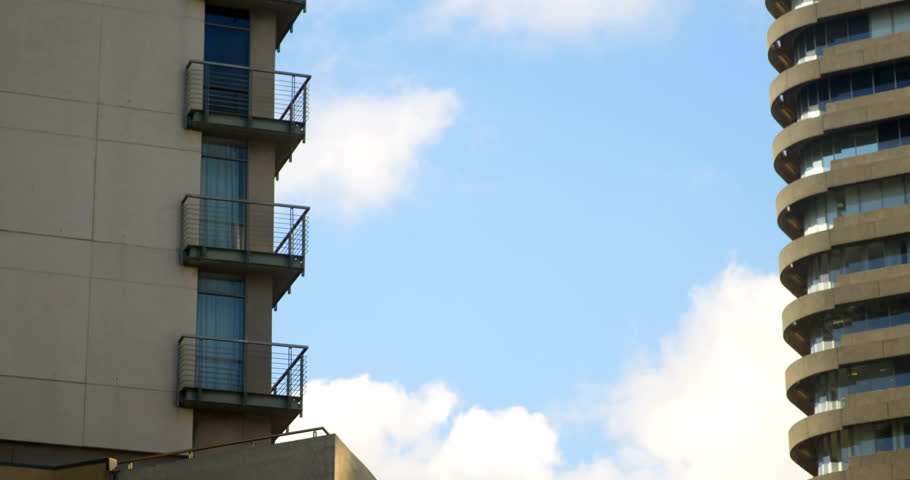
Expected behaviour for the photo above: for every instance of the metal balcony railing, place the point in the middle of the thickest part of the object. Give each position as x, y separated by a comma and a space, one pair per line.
270, 228
256, 370
219, 88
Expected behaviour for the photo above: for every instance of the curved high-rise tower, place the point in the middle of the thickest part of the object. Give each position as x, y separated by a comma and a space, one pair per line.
843, 102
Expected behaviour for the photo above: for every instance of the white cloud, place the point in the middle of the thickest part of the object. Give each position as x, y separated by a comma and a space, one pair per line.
709, 403
417, 435
552, 18
361, 150
715, 400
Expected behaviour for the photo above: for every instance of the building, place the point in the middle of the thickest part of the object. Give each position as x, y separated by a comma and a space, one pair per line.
843, 102
141, 248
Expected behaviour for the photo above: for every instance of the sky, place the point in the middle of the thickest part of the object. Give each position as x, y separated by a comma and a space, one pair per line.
542, 239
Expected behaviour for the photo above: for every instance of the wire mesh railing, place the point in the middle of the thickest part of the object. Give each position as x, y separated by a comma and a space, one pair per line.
215, 222
247, 366
221, 88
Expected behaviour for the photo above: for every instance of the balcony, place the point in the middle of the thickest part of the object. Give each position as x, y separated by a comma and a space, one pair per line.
241, 375
244, 102
242, 236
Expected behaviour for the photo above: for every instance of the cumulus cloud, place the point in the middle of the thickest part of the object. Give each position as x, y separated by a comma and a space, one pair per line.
549, 18
714, 401
708, 403
418, 435
363, 149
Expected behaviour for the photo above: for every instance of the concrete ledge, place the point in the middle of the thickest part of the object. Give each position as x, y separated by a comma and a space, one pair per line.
320, 458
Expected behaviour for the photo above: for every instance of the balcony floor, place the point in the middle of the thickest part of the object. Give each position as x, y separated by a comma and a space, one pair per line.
284, 269
286, 135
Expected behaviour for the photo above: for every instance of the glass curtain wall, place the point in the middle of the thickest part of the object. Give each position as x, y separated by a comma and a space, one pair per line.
820, 211
825, 268
816, 156
812, 41
831, 326
833, 451
832, 388
813, 98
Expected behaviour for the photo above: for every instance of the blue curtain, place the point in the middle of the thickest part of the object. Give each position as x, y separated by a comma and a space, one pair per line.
220, 314
224, 175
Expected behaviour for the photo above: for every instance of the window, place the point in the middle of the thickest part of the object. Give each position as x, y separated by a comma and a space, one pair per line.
220, 314
902, 71
227, 40
844, 146
811, 42
862, 83
888, 135
840, 88
901, 17
893, 192
837, 32
819, 212
858, 26
880, 22
884, 78
866, 141
224, 175
905, 131
816, 156
823, 270
830, 326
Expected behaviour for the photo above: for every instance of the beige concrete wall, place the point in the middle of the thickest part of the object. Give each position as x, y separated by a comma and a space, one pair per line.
258, 327
93, 471
262, 56
261, 188
320, 458
218, 428
55, 455
347, 465
96, 161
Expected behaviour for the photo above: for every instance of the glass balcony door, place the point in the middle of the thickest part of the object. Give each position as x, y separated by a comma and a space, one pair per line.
220, 314
227, 40
223, 223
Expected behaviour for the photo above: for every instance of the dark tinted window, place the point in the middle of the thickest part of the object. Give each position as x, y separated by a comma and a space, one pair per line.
837, 32
888, 135
883, 438
227, 45
812, 93
823, 94
228, 17
840, 88
902, 71
862, 83
227, 36
905, 134
900, 312
884, 78
820, 35
859, 27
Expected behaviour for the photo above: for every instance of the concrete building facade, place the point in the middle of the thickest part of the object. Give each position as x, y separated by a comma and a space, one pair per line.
843, 102
141, 248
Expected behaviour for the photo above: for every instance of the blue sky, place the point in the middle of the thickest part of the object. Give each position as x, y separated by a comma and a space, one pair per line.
538, 196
